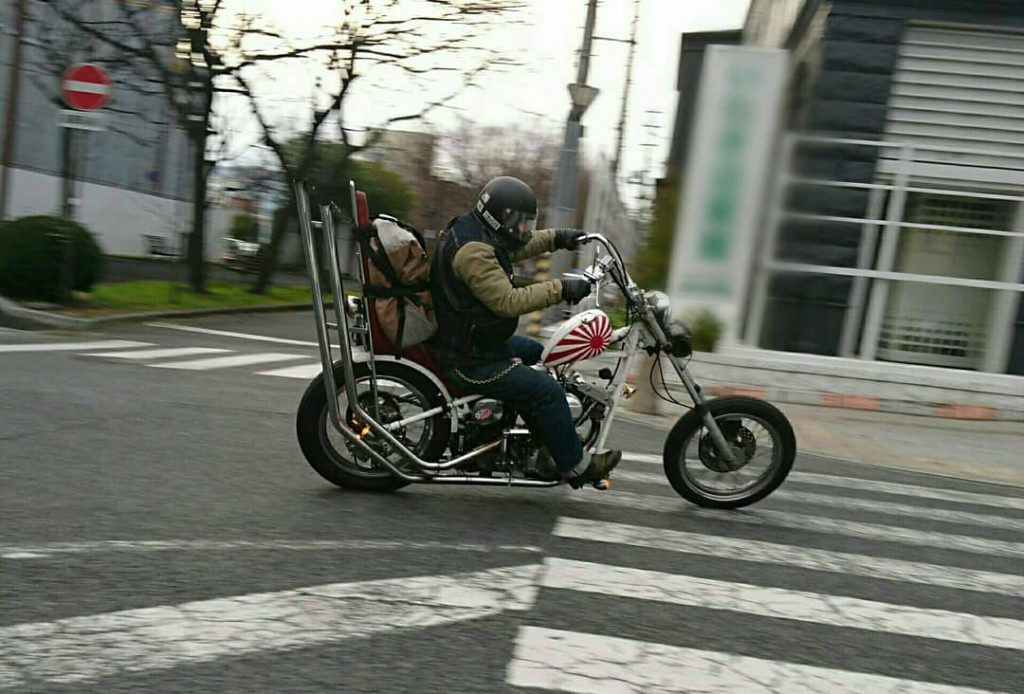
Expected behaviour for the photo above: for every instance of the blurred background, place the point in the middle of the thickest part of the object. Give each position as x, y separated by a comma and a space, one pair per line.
833, 178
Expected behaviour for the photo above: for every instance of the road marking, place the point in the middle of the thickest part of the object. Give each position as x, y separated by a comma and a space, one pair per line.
159, 353
799, 521
936, 493
996, 500
782, 603
50, 548
226, 362
22, 555
303, 371
596, 664
857, 504
228, 333
156, 638
74, 346
789, 555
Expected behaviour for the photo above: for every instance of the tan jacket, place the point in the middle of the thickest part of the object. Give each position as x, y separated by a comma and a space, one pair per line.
476, 265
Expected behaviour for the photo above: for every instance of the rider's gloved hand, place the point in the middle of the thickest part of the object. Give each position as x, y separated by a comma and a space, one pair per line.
568, 238
574, 290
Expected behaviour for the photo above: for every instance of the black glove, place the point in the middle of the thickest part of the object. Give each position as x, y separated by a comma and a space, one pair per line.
574, 290
568, 239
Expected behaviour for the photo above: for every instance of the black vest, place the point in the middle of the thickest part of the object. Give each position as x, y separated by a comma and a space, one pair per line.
465, 327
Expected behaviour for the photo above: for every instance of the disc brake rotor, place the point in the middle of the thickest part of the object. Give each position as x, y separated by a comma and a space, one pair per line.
740, 439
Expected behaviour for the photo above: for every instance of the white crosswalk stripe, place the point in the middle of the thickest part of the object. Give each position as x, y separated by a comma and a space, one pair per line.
304, 371
568, 661
803, 606
812, 523
227, 362
647, 569
72, 346
888, 507
165, 353
788, 555
174, 357
996, 500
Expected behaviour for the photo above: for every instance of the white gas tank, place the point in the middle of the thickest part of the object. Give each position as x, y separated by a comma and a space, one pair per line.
584, 336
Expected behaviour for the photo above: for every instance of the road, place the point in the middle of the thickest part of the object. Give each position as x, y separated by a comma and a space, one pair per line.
160, 532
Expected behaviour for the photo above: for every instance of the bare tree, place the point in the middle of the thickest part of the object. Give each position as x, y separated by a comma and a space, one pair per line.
199, 51
412, 43
474, 154
187, 50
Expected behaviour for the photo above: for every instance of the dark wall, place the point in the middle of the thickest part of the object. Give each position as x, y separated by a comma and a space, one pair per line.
691, 62
853, 81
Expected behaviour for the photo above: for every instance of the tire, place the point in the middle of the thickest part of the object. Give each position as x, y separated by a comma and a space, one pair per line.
346, 470
725, 410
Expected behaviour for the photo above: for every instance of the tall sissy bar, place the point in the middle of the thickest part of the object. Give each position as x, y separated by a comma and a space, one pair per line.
352, 324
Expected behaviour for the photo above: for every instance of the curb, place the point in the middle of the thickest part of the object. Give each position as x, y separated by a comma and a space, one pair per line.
848, 401
942, 410
665, 422
13, 315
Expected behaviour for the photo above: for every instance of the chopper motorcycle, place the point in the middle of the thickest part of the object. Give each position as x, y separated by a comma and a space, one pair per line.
378, 422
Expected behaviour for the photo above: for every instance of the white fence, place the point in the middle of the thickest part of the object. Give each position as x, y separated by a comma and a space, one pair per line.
938, 273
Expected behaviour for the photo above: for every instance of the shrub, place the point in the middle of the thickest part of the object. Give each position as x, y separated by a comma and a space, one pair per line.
245, 227
31, 252
707, 330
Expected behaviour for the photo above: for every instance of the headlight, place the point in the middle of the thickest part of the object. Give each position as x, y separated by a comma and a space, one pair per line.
660, 302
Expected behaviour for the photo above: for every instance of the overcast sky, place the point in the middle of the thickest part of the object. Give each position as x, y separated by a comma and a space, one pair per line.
546, 44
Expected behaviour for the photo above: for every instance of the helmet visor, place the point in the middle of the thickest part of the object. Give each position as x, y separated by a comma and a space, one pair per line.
522, 224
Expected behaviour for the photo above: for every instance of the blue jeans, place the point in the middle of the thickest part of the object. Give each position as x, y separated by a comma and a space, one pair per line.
537, 397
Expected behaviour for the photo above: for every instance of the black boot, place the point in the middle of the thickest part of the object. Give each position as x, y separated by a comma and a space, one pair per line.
597, 472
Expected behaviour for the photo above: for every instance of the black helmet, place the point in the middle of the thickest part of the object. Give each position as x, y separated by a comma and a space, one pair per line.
509, 208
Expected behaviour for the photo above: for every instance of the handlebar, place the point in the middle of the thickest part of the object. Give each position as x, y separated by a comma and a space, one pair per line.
622, 276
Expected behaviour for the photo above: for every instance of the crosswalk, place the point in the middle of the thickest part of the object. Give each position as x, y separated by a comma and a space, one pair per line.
852, 582
834, 584
184, 358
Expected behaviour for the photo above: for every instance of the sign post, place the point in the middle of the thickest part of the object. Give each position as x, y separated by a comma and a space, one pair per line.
732, 140
86, 88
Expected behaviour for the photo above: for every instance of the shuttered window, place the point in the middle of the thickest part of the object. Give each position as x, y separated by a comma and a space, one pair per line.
961, 89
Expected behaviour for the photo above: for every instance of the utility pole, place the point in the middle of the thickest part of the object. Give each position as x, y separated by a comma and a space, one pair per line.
11, 115
625, 93
562, 208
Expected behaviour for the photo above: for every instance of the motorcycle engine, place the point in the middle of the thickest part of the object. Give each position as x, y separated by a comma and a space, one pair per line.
487, 411
484, 425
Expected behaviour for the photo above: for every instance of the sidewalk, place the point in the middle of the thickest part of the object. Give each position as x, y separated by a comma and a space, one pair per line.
983, 451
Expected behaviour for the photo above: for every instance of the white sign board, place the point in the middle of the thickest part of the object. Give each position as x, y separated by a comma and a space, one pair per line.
733, 136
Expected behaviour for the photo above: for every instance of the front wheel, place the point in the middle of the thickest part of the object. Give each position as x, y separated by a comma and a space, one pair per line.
762, 442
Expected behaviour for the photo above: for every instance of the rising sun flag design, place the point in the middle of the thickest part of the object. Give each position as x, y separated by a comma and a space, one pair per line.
587, 336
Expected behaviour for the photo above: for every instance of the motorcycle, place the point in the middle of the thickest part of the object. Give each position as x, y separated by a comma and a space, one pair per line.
378, 422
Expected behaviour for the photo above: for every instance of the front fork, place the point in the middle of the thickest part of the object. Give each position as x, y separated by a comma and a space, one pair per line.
725, 450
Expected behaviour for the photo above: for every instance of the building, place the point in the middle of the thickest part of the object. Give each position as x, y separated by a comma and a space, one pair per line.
411, 155
894, 229
134, 175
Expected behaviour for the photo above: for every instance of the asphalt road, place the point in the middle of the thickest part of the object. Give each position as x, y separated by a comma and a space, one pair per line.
161, 532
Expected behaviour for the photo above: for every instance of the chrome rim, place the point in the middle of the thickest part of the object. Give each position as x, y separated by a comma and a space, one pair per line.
399, 400
757, 441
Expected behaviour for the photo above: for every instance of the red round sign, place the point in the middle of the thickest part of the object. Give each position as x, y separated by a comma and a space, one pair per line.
86, 87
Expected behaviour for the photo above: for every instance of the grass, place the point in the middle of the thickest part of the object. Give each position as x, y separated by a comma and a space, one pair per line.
163, 295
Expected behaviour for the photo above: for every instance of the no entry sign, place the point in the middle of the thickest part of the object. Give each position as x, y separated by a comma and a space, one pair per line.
86, 87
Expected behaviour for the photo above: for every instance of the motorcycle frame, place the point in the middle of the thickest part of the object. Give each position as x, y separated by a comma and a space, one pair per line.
428, 469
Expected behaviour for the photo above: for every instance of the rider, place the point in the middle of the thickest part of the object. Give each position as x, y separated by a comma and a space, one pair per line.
478, 303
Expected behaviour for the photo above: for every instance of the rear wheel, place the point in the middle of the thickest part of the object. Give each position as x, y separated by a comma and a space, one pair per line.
762, 442
402, 392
